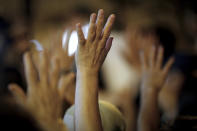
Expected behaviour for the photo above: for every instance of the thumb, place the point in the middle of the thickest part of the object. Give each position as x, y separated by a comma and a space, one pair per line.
66, 85
18, 93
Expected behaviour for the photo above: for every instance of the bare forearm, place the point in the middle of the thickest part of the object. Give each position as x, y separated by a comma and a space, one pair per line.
153, 79
90, 55
87, 115
149, 113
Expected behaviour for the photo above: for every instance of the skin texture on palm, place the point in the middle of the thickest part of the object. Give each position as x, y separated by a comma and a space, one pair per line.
90, 55
45, 92
153, 79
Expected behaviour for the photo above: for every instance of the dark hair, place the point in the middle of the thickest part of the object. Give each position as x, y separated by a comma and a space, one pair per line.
165, 35
4, 34
167, 39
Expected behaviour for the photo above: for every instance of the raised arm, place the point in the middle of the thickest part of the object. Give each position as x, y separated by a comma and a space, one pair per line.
89, 57
45, 92
153, 78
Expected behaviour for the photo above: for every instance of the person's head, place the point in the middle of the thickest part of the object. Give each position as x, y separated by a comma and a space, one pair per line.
112, 119
144, 29
144, 38
162, 36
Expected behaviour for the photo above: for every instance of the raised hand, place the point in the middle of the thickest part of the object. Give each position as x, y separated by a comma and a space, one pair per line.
137, 41
58, 49
153, 74
44, 98
153, 78
92, 51
90, 55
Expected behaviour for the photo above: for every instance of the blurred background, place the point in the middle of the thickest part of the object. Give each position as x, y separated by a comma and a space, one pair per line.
173, 22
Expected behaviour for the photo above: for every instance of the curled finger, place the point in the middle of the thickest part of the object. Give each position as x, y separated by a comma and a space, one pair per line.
18, 93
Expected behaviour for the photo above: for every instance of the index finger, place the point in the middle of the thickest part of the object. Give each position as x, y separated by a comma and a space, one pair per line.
30, 72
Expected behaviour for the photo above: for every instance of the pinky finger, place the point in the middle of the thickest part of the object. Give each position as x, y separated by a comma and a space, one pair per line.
168, 66
18, 93
106, 49
108, 44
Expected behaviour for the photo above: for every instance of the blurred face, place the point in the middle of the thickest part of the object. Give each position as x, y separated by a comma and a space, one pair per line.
139, 40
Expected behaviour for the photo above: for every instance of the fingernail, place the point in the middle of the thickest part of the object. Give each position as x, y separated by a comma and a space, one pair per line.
110, 40
101, 11
10, 87
78, 25
27, 55
112, 16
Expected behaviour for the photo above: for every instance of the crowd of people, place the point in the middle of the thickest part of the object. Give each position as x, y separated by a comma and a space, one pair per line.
113, 81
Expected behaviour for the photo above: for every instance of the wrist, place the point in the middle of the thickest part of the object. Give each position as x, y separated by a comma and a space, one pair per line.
87, 72
149, 87
88, 79
146, 92
53, 125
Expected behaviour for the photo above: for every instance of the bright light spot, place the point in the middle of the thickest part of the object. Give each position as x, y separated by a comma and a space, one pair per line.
85, 30
64, 39
37, 44
73, 41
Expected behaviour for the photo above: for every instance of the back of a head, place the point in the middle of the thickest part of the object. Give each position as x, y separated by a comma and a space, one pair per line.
112, 119
166, 38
